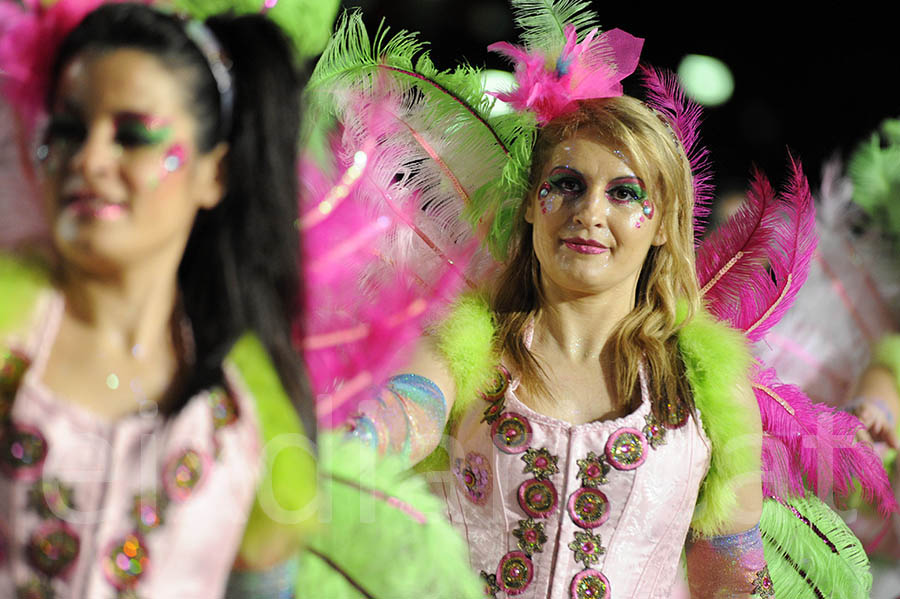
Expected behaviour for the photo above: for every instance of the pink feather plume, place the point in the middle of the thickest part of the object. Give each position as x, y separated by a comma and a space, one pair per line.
366, 303
812, 445
666, 97
751, 268
593, 68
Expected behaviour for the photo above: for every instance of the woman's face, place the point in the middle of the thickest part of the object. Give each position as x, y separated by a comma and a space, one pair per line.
122, 174
594, 220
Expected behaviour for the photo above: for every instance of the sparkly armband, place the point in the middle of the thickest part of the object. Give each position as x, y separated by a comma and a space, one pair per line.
728, 565
407, 417
278, 582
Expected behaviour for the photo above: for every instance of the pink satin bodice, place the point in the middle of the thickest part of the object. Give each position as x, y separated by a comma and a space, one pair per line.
555, 510
144, 506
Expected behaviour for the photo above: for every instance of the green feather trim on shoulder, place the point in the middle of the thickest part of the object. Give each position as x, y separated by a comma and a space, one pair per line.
22, 282
811, 553
285, 505
717, 363
466, 340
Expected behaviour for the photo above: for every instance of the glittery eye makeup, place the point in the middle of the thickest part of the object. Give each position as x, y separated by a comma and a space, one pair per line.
626, 189
133, 129
566, 180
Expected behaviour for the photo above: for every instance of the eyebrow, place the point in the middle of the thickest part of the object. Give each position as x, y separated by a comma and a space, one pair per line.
556, 170
147, 120
628, 179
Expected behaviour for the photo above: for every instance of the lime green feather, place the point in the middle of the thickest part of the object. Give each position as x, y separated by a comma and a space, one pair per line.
307, 23
399, 549
285, 504
21, 282
875, 171
717, 362
799, 558
542, 21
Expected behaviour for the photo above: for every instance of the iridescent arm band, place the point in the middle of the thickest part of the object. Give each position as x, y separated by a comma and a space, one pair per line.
407, 417
728, 566
278, 582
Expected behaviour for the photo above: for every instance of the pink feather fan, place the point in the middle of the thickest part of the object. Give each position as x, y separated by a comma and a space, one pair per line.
666, 97
367, 303
751, 268
812, 445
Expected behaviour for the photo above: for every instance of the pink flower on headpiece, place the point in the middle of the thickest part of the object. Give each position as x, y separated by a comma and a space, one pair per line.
29, 38
593, 68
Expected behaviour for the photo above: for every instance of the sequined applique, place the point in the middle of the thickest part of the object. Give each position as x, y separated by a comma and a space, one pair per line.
593, 469
589, 584
677, 415
654, 431
491, 588
588, 507
496, 389
148, 510
515, 573
183, 474
511, 433
626, 449
587, 547
538, 498
475, 477
35, 588
51, 498
22, 452
126, 562
540, 463
13, 365
762, 585
53, 548
493, 411
531, 536
223, 406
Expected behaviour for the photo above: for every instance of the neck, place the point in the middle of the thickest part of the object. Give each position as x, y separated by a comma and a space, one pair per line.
126, 308
579, 325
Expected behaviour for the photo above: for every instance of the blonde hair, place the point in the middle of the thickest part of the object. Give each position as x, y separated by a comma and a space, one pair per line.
667, 280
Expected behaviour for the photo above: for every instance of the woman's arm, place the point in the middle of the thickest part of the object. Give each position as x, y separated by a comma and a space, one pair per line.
409, 414
731, 562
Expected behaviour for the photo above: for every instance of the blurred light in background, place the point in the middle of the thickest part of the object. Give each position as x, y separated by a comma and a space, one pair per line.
706, 79
499, 81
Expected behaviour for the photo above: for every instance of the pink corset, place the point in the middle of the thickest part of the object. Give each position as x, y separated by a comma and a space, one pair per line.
554, 510
143, 505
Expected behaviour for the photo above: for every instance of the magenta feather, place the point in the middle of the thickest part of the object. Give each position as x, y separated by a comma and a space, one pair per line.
666, 97
366, 302
751, 268
551, 86
812, 445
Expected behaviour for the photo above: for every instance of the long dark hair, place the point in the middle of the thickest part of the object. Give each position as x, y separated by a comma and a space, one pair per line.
240, 267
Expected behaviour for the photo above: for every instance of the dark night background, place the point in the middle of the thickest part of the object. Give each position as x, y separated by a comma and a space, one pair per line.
813, 80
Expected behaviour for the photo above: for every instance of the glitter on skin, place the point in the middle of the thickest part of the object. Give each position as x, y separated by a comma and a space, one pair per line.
175, 157
112, 381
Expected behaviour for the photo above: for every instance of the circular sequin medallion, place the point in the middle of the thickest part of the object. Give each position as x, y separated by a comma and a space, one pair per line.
224, 408
36, 587
538, 497
493, 411
496, 389
126, 562
626, 449
22, 452
511, 433
475, 477
589, 584
514, 573
53, 548
184, 473
588, 507
51, 498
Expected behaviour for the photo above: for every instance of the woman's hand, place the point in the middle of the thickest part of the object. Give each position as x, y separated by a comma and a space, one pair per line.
877, 406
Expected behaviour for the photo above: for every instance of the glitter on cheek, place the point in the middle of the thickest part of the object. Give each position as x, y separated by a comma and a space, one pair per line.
174, 158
